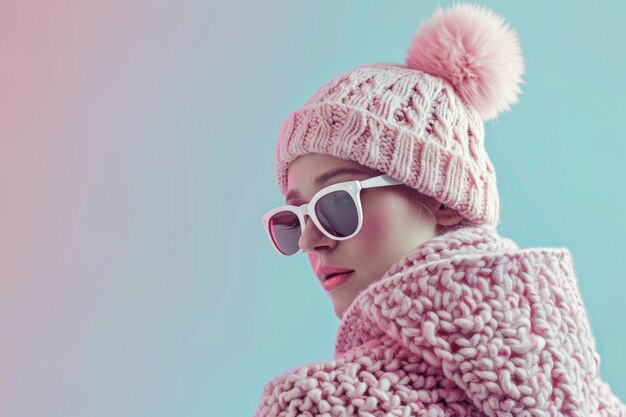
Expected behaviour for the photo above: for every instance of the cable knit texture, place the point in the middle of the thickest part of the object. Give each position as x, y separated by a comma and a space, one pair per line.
401, 121
420, 122
466, 324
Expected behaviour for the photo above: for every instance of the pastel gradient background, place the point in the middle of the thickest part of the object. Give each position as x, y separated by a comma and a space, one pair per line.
136, 159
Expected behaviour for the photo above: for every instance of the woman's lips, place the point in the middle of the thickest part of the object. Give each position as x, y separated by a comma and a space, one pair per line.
334, 281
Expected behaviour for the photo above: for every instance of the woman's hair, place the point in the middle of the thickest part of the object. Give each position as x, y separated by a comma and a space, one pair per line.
428, 201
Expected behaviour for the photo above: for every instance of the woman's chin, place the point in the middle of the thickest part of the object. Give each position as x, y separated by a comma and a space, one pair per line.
341, 302
339, 311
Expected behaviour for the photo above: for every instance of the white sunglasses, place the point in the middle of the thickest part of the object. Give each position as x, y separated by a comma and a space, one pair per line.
337, 213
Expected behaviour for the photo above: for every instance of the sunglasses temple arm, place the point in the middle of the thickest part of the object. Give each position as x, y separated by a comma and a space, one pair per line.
379, 181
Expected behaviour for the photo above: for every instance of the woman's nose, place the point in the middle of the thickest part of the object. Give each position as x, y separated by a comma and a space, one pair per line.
312, 238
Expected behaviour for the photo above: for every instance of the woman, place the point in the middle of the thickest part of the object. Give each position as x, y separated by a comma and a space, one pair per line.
395, 220
440, 315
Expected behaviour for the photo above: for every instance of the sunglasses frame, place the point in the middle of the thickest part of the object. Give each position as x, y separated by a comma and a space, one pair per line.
353, 188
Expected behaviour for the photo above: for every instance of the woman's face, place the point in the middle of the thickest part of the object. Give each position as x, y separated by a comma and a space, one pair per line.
393, 224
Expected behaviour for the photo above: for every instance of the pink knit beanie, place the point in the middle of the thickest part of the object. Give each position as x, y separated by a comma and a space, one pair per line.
420, 122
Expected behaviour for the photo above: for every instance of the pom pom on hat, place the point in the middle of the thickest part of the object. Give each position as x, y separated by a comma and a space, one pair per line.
473, 49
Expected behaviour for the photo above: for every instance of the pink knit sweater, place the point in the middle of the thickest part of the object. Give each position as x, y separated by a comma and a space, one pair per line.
466, 324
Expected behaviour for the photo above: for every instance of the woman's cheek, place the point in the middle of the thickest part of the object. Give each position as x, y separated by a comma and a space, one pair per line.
376, 228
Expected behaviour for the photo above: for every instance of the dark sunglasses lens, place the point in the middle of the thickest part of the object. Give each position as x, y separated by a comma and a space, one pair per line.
285, 230
337, 213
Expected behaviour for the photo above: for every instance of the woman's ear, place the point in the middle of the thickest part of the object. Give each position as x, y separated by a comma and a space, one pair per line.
447, 216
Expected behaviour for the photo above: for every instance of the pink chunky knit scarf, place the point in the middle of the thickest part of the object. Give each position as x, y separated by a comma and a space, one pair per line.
466, 324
